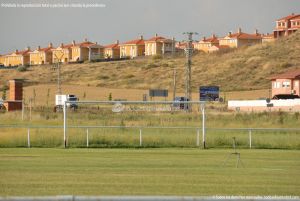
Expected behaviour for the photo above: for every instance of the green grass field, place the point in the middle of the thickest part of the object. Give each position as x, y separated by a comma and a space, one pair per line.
175, 171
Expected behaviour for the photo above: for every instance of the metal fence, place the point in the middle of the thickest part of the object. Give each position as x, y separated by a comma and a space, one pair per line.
200, 137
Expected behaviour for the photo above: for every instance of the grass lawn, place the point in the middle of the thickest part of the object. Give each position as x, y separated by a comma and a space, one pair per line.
166, 171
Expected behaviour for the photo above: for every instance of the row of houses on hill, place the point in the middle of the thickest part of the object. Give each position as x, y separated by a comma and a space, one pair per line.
157, 45
89, 51
284, 27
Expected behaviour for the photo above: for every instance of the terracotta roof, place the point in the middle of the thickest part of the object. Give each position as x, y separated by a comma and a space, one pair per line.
156, 38
287, 75
210, 40
135, 42
242, 35
112, 46
289, 17
296, 18
84, 44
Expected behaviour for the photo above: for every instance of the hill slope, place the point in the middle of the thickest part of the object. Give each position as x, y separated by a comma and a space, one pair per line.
243, 69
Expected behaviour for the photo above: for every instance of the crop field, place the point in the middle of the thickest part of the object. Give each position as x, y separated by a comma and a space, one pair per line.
171, 171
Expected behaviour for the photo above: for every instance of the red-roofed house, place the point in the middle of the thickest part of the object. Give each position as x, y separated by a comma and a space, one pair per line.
287, 25
17, 58
112, 51
286, 83
86, 51
41, 55
240, 39
133, 48
63, 53
159, 45
206, 43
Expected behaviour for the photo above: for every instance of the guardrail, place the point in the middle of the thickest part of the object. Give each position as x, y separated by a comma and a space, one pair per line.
152, 198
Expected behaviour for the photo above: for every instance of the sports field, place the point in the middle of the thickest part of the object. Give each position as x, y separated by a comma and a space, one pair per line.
169, 171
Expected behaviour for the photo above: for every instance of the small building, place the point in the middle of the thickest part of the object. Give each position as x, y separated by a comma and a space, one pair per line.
240, 39
133, 48
287, 25
206, 43
286, 83
41, 55
159, 45
63, 53
112, 51
86, 51
17, 58
14, 101
218, 48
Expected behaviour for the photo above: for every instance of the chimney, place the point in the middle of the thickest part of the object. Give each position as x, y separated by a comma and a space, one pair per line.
73, 42
50, 45
85, 40
141, 37
61, 45
204, 38
96, 43
173, 38
16, 51
293, 13
28, 48
256, 32
117, 42
156, 35
39, 48
229, 33
213, 36
239, 30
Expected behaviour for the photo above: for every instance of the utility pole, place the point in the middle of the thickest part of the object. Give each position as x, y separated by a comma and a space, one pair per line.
188, 70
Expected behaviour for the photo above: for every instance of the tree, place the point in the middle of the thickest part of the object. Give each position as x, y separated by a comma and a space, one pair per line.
110, 97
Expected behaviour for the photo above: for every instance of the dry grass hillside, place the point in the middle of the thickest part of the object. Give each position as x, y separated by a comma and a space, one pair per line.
243, 69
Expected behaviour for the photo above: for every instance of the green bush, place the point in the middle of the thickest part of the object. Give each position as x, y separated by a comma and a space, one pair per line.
22, 69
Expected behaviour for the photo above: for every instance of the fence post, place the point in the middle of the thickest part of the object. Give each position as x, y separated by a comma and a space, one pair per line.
141, 139
87, 137
250, 138
203, 125
198, 138
65, 124
28, 137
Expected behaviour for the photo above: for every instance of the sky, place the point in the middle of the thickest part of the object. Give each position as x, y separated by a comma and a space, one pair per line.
128, 19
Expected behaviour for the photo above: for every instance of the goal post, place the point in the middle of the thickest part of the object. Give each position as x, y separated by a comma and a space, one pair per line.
118, 106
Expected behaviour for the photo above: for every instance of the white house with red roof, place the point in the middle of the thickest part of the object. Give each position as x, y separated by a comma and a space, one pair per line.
159, 45
287, 25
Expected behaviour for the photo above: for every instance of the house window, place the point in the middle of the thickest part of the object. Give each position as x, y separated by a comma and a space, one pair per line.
286, 84
276, 85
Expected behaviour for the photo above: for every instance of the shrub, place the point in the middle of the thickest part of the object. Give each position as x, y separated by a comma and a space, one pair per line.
22, 69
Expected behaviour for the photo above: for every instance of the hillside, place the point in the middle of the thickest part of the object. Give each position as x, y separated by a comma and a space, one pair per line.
243, 69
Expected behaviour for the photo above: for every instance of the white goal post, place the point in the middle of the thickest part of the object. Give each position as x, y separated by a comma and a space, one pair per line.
200, 103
